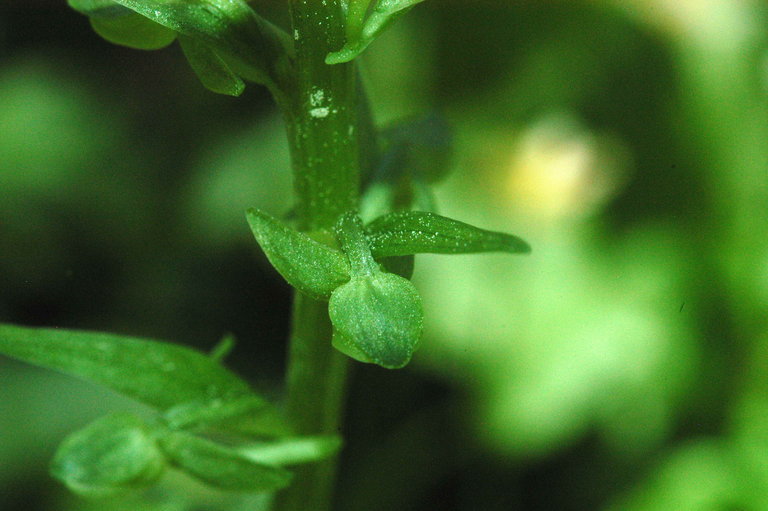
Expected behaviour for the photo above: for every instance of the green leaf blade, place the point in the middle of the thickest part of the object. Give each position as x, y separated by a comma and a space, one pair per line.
416, 232
248, 415
210, 68
156, 373
122, 26
251, 47
348, 52
133, 31
311, 267
97, 8
220, 466
230, 27
383, 15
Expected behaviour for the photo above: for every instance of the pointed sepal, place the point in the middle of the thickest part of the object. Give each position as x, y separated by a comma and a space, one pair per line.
311, 267
418, 232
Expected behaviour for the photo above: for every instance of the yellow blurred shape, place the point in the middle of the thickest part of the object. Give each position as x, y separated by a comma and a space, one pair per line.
715, 22
560, 171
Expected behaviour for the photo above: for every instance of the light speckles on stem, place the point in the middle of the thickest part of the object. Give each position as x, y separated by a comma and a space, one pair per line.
319, 113
317, 99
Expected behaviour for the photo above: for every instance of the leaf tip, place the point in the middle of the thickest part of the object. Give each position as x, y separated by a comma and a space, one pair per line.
347, 53
236, 91
338, 57
520, 246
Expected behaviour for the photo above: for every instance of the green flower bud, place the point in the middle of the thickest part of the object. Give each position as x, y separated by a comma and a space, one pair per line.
114, 453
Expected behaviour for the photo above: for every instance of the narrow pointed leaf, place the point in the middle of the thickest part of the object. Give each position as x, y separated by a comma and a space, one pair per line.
134, 31
114, 453
229, 26
383, 15
120, 25
157, 373
248, 415
221, 466
94, 7
210, 68
385, 9
311, 267
292, 451
417, 232
350, 51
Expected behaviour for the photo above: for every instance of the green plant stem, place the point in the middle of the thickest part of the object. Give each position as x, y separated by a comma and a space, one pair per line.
322, 117
316, 389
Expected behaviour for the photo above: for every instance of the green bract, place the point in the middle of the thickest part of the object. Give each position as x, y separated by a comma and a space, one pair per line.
114, 453
311, 267
223, 348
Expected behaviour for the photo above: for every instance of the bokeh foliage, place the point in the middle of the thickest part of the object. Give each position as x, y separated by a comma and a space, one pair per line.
621, 366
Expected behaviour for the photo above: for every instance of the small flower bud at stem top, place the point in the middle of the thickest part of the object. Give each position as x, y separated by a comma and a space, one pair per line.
115, 453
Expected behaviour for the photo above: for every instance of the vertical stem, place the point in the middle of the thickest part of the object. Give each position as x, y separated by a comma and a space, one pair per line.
323, 130
316, 383
323, 118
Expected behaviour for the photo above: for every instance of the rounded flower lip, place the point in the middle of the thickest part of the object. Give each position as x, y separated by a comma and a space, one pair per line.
378, 319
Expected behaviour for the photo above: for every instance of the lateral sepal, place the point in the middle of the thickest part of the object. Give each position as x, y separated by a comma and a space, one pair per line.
311, 267
419, 232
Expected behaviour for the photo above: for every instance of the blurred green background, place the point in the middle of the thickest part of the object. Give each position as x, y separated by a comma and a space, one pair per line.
623, 366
